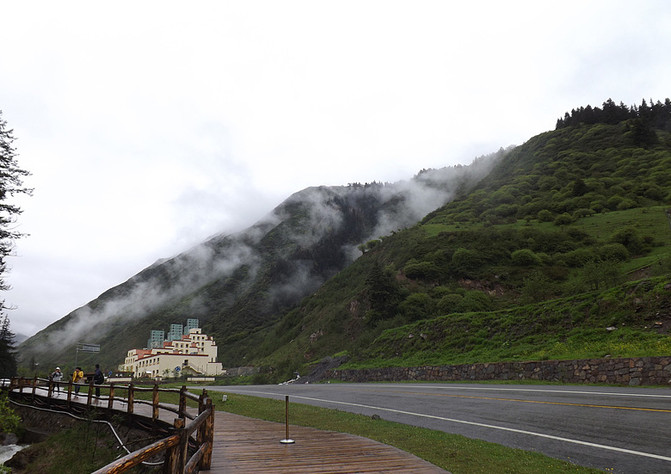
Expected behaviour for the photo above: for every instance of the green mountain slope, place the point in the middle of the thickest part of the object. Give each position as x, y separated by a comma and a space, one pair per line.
238, 284
558, 248
550, 256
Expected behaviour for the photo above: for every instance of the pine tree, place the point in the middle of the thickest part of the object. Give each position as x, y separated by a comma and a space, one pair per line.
11, 184
7, 354
383, 293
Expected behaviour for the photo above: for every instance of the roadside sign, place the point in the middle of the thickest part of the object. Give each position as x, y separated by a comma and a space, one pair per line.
84, 347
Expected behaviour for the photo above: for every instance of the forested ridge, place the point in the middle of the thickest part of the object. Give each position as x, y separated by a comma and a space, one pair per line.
657, 114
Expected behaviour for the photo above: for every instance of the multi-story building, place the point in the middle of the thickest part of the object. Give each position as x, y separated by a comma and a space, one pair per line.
191, 323
156, 338
176, 332
194, 353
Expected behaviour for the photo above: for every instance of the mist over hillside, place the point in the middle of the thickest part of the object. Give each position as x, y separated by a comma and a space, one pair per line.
238, 283
536, 251
563, 251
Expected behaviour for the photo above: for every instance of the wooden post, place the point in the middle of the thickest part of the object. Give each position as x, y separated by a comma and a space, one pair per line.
51, 388
200, 435
173, 463
131, 398
183, 448
69, 391
208, 437
182, 402
34, 388
89, 398
110, 400
154, 403
201, 401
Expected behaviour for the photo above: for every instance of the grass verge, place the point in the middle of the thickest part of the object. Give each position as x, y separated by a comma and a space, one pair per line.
454, 453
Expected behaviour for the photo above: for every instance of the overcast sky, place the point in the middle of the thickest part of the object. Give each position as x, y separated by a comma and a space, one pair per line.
149, 126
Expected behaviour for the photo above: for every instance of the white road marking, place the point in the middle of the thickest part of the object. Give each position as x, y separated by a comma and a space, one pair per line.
579, 392
473, 423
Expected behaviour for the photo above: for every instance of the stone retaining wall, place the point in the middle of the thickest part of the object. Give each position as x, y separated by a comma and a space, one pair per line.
629, 371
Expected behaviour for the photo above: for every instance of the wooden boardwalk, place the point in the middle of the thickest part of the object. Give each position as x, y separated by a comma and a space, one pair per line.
248, 445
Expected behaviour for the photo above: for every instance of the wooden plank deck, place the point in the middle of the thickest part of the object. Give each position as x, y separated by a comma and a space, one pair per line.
247, 445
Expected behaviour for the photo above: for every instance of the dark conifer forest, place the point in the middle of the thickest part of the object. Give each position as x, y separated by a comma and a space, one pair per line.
644, 118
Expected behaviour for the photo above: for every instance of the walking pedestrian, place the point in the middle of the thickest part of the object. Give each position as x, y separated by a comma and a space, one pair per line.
56, 377
98, 379
77, 379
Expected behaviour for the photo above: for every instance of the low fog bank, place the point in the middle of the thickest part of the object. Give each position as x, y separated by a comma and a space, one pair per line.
152, 288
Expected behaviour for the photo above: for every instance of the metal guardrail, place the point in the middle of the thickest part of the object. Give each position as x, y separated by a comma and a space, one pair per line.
175, 447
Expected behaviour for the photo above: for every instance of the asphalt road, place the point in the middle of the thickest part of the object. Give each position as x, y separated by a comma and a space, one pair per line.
623, 430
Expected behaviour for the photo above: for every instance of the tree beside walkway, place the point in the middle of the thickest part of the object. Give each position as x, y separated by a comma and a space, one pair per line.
11, 184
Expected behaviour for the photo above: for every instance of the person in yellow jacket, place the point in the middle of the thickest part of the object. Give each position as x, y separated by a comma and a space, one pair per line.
78, 379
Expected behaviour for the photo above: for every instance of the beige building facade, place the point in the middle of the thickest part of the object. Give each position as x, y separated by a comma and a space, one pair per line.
194, 354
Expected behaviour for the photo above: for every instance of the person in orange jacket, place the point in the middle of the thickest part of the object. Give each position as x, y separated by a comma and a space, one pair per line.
77, 379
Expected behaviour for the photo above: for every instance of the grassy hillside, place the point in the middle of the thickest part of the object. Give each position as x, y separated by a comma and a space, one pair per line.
562, 251
626, 321
239, 284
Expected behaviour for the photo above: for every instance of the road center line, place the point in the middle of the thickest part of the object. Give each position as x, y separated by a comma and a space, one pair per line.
473, 423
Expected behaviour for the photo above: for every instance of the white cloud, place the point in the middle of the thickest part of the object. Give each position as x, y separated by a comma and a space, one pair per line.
150, 126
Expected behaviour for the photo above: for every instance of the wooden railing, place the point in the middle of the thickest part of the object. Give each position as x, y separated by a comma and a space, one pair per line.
175, 447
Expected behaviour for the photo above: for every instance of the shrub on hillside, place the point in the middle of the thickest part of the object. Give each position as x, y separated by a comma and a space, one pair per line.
563, 219
613, 252
421, 270
9, 421
579, 257
630, 238
466, 262
582, 212
597, 275
475, 301
506, 210
626, 204
536, 287
654, 192
418, 306
613, 202
449, 303
525, 258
